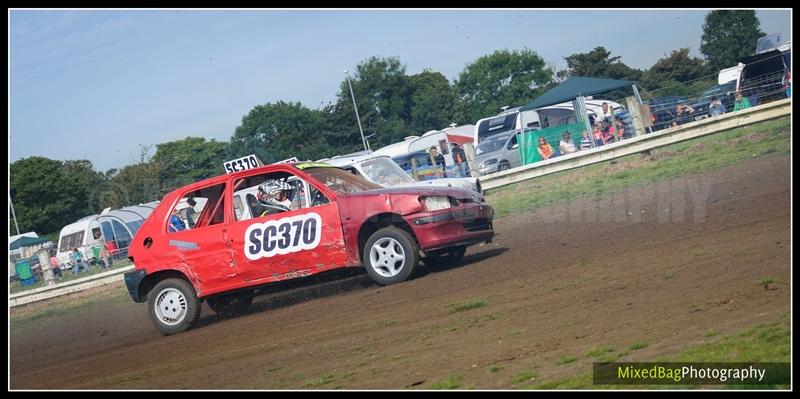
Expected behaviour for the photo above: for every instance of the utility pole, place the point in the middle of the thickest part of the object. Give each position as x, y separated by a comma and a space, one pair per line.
13, 214
363, 140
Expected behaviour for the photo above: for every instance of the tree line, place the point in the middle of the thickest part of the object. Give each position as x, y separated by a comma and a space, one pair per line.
48, 194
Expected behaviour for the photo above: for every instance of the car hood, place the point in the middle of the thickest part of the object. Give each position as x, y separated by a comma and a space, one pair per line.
460, 182
487, 155
455, 192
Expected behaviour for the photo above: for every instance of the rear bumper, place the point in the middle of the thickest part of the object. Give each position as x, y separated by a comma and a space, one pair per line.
462, 226
132, 281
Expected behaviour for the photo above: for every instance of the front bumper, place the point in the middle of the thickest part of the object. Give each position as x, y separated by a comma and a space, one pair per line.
132, 281
465, 225
488, 169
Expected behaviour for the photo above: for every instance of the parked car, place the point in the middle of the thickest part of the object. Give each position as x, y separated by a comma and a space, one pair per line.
663, 109
227, 258
726, 93
498, 153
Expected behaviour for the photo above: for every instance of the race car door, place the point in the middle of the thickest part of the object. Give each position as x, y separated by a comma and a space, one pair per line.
203, 246
271, 244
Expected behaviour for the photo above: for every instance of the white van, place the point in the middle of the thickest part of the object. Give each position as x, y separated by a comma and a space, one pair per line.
78, 235
536, 119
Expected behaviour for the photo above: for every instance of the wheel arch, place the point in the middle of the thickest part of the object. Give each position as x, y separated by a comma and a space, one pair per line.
150, 281
377, 222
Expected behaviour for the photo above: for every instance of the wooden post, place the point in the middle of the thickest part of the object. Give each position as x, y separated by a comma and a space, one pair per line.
469, 151
640, 114
435, 165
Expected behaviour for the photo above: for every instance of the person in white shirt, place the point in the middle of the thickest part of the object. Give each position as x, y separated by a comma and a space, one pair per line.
566, 145
608, 112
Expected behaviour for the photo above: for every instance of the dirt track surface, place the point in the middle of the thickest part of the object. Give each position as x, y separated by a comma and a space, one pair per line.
555, 283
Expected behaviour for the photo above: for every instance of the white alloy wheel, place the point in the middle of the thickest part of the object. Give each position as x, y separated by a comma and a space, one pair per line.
170, 306
387, 257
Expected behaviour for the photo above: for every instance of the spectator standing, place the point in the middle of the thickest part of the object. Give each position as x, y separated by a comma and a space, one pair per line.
683, 114
460, 159
787, 84
438, 160
566, 145
741, 102
55, 266
608, 112
188, 212
716, 107
104, 254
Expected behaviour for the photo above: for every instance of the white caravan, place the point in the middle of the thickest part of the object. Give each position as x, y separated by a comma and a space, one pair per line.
78, 235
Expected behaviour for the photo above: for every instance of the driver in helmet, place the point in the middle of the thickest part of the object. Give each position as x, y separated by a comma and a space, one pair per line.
276, 196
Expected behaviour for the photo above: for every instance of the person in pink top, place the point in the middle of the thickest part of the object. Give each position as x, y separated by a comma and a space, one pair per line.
55, 266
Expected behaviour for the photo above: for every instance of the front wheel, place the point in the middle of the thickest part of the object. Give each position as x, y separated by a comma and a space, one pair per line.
503, 166
230, 303
174, 306
390, 255
446, 257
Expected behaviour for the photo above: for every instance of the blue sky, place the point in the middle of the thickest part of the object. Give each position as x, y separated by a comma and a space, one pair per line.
98, 84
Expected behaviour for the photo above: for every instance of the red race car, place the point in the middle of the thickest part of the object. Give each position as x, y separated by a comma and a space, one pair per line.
223, 238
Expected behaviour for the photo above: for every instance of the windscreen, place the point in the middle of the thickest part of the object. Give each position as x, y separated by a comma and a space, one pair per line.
340, 180
493, 143
385, 172
496, 125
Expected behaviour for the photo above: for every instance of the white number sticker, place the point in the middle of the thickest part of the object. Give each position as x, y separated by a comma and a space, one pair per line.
282, 236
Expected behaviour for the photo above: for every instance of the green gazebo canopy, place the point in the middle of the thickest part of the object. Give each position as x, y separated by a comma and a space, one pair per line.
573, 88
26, 242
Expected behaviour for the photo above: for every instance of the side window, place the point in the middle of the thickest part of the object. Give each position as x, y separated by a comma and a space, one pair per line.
443, 148
79, 240
121, 232
274, 193
512, 143
198, 209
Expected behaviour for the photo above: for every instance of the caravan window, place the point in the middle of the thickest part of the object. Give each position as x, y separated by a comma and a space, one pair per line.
555, 117
135, 225
70, 241
123, 238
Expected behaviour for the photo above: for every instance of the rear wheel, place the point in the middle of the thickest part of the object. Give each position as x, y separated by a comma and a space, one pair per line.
390, 255
447, 257
174, 306
230, 303
503, 166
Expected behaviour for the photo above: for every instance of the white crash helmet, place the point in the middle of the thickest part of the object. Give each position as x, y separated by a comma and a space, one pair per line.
269, 190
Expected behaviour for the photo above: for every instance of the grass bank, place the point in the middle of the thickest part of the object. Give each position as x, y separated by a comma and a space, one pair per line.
694, 156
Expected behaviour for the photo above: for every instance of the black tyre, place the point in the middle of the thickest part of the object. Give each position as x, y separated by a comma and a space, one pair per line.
448, 257
390, 255
503, 166
230, 303
174, 306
